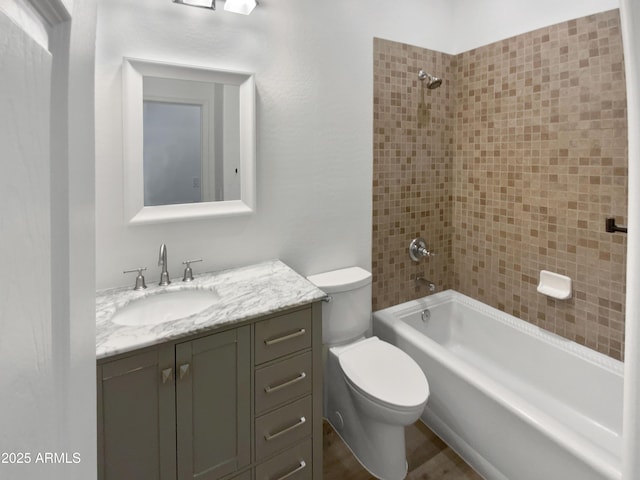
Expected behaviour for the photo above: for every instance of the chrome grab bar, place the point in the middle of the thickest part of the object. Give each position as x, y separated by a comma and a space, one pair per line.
270, 389
300, 466
271, 436
273, 341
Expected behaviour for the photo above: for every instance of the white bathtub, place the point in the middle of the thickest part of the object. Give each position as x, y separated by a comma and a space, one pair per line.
515, 401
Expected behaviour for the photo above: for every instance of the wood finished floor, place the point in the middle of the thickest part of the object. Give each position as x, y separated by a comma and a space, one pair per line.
429, 458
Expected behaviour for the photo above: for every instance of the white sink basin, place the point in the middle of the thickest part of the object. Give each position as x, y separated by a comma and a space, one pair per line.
165, 307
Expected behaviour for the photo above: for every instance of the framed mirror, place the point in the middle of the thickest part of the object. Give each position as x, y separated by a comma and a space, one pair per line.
189, 142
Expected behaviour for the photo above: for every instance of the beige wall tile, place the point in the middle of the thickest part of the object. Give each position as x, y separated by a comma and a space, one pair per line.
509, 168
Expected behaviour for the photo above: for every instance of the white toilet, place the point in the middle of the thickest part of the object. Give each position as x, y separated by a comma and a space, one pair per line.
372, 389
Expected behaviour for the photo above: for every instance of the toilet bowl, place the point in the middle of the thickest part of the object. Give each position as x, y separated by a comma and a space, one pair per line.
372, 388
387, 383
375, 390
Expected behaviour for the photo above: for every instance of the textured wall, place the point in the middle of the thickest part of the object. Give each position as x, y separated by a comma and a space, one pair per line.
538, 160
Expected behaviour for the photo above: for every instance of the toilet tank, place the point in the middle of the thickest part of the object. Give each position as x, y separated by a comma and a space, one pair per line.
347, 315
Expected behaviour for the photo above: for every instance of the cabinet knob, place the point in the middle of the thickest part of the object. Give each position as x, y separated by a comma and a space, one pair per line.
166, 374
184, 370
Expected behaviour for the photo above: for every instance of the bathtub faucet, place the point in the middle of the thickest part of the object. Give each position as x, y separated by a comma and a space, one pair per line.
420, 281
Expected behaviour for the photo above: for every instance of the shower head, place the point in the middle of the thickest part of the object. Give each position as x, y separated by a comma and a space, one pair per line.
432, 82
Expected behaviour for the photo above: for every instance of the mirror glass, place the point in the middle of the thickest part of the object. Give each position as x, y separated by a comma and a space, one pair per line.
172, 153
189, 142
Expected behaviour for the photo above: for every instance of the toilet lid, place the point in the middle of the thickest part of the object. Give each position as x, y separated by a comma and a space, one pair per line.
385, 373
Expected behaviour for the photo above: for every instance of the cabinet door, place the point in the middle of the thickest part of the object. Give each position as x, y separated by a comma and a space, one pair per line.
213, 389
136, 417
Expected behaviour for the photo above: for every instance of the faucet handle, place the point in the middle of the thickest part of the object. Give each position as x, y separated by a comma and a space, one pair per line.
140, 285
188, 273
418, 249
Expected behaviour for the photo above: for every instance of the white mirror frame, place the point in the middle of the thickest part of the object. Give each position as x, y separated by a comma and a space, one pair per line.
136, 213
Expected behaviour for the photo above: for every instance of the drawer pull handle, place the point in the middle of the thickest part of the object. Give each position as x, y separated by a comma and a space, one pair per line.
270, 389
272, 436
273, 341
184, 370
294, 471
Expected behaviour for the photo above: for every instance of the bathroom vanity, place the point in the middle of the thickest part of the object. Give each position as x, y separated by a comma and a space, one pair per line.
231, 392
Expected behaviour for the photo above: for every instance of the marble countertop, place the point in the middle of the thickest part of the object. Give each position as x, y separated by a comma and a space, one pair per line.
245, 293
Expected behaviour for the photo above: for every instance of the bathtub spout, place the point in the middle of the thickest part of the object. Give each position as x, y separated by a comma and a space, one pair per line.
427, 283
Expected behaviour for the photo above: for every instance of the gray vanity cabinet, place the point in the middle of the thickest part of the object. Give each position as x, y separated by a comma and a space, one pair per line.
136, 417
243, 403
192, 398
213, 394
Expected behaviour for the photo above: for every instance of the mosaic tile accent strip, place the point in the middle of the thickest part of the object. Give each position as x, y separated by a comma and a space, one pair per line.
513, 169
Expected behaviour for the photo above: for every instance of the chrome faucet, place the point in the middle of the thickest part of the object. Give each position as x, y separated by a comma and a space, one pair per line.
427, 283
162, 261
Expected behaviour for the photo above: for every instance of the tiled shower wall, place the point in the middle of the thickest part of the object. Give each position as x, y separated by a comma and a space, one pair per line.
531, 164
413, 151
540, 163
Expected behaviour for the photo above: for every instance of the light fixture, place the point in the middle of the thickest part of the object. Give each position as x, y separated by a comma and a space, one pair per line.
244, 7
210, 4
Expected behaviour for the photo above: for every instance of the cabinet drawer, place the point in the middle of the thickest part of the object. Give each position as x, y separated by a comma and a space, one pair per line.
283, 381
283, 427
294, 464
243, 476
282, 335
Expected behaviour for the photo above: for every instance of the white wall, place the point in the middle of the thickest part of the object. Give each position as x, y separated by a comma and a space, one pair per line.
48, 385
27, 416
313, 66
630, 16
25, 15
79, 348
477, 23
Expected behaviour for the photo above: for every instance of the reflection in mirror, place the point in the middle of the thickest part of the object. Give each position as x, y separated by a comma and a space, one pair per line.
189, 142
191, 138
173, 163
